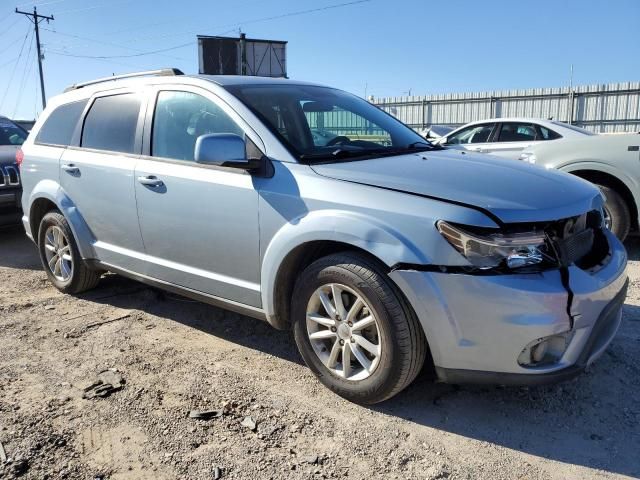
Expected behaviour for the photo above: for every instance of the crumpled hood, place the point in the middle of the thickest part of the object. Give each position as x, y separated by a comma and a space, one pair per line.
512, 191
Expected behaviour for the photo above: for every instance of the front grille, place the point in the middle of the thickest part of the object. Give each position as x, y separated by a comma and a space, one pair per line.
579, 240
9, 176
575, 247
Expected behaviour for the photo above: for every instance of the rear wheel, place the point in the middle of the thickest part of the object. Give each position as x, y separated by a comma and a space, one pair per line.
355, 330
60, 256
616, 213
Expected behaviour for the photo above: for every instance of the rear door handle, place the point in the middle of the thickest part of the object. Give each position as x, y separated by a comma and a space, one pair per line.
478, 149
70, 168
150, 181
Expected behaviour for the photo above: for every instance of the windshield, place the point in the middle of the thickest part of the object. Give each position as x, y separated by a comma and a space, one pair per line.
325, 124
10, 133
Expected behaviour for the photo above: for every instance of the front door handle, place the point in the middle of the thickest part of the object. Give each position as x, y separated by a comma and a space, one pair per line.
150, 181
70, 168
478, 149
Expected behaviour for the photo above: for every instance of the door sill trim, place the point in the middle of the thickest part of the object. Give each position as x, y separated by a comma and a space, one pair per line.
237, 307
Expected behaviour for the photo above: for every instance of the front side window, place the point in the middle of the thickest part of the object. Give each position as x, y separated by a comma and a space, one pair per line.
517, 132
111, 123
10, 133
473, 134
180, 118
58, 128
325, 124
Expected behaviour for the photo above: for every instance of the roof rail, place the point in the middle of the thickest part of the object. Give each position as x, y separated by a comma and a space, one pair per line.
164, 72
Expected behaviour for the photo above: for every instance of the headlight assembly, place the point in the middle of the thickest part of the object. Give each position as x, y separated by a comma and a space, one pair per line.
486, 251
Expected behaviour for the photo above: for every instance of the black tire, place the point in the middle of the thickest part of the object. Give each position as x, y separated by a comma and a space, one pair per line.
82, 278
618, 212
404, 346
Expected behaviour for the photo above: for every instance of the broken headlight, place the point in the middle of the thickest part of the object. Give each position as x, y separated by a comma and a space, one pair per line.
492, 250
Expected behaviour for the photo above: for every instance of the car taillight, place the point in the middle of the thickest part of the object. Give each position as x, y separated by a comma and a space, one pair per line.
19, 157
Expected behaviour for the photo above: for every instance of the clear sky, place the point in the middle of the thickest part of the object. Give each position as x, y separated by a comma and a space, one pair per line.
376, 47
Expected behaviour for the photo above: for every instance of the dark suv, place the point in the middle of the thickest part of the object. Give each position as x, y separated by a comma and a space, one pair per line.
11, 137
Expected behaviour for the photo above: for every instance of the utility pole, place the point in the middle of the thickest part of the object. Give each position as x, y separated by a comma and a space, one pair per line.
36, 19
243, 53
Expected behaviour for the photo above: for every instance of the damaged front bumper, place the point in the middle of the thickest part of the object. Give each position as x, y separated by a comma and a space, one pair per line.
478, 325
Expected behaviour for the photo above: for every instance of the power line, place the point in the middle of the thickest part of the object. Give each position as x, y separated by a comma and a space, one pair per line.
93, 7
102, 60
41, 4
257, 20
106, 43
7, 63
4, 31
9, 45
15, 66
27, 69
141, 54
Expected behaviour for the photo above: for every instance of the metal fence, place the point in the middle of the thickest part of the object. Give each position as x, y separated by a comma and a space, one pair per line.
601, 108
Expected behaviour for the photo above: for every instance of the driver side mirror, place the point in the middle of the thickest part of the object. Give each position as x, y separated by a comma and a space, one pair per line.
224, 150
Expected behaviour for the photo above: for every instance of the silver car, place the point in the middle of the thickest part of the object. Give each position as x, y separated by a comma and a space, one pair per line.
508, 137
379, 250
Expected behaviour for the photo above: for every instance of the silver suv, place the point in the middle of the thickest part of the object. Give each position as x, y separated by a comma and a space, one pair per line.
378, 249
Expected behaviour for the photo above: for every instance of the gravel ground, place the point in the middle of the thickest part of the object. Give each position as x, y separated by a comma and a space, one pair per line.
176, 356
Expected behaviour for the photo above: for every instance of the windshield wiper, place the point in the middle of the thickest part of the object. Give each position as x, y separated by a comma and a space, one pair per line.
427, 144
345, 153
337, 154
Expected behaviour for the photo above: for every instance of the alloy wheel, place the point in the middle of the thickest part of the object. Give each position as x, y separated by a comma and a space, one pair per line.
58, 253
343, 331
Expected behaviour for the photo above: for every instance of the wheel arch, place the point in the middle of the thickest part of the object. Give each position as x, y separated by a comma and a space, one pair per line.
297, 245
48, 195
615, 181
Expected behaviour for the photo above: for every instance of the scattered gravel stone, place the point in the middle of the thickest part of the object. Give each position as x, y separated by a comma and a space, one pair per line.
107, 382
205, 414
249, 423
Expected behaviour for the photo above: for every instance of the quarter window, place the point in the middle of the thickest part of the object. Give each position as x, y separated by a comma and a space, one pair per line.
546, 134
111, 123
180, 118
58, 128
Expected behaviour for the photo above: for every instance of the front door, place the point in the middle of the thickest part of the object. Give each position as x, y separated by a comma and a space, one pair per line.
199, 223
98, 178
512, 139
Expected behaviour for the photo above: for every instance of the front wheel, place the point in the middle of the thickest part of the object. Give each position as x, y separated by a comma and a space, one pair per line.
60, 256
616, 213
355, 330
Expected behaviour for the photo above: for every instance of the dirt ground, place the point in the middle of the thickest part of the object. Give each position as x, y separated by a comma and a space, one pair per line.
176, 356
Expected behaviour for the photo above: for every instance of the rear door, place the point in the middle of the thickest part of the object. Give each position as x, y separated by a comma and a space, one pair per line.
97, 175
512, 138
199, 222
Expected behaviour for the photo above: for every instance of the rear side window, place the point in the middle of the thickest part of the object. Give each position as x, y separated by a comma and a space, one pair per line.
59, 127
111, 123
517, 132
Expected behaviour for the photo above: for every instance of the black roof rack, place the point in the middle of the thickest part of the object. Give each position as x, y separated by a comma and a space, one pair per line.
164, 72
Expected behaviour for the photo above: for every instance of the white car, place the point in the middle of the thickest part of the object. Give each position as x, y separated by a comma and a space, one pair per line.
507, 137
